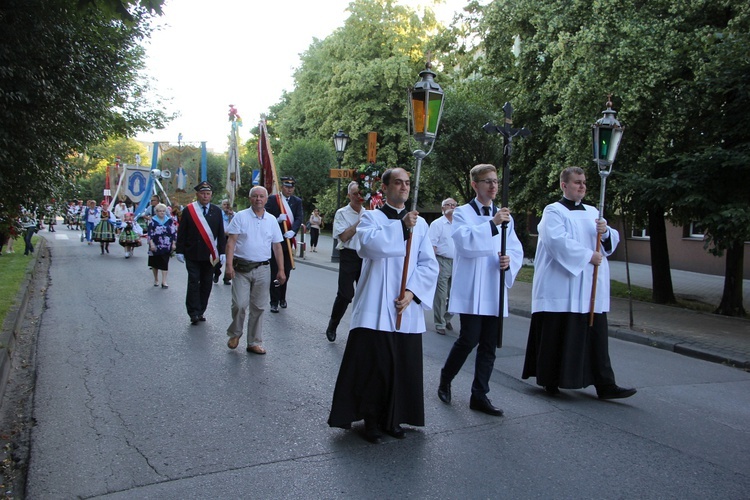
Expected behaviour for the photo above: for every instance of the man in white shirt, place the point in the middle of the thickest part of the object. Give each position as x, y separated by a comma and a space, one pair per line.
253, 234
345, 224
120, 210
442, 242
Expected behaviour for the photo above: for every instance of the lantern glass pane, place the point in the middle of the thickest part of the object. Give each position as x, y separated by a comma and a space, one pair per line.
615, 144
418, 113
605, 140
433, 113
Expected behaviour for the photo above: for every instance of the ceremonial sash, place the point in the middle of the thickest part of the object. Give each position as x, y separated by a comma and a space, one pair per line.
196, 212
284, 208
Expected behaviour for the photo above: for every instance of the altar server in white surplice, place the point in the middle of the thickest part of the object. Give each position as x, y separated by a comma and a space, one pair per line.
475, 289
380, 379
563, 351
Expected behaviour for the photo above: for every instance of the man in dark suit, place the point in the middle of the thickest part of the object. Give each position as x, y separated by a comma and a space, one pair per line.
289, 221
200, 245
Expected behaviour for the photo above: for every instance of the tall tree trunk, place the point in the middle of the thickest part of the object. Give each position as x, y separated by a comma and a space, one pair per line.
661, 275
731, 298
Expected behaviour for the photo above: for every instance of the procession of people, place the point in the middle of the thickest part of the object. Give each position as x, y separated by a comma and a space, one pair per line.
452, 266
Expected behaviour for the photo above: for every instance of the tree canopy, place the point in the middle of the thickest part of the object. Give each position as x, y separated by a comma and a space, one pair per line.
70, 77
679, 79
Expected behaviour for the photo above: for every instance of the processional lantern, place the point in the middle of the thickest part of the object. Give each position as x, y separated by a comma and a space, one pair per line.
426, 106
606, 134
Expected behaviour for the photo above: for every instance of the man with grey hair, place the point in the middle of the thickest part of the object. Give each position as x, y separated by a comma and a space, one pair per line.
440, 234
253, 235
345, 224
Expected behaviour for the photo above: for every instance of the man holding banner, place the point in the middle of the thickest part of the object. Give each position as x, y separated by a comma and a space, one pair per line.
200, 245
290, 219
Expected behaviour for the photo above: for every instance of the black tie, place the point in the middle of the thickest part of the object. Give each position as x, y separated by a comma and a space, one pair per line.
205, 211
486, 210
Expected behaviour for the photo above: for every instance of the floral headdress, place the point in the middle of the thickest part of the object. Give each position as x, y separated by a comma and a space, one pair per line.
368, 178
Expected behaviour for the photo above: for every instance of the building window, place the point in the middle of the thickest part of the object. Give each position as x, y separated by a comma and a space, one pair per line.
694, 230
640, 233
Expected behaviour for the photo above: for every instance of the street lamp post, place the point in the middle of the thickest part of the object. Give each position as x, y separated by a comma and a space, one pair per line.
606, 136
340, 142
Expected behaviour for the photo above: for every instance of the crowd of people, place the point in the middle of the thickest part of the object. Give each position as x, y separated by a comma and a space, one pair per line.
393, 269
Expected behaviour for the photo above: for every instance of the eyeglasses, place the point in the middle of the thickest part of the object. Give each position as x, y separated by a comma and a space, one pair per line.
490, 182
450, 205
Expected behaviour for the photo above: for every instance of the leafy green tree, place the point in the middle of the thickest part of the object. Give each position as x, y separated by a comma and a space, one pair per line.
309, 161
461, 142
556, 60
69, 78
356, 80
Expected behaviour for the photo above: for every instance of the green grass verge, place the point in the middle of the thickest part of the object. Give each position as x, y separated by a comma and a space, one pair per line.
620, 290
13, 269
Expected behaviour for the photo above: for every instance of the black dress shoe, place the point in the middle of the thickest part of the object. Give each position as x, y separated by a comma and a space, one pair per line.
444, 392
201, 318
331, 335
274, 308
485, 406
397, 432
282, 304
552, 390
194, 320
614, 392
372, 433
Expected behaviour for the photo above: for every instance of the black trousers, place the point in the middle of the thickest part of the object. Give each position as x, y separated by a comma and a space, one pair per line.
475, 331
278, 293
350, 267
200, 283
27, 240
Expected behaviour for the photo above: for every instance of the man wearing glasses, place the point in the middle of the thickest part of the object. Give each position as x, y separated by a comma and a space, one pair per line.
442, 242
475, 288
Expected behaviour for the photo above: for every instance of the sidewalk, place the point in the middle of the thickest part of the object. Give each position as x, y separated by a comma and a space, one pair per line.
710, 337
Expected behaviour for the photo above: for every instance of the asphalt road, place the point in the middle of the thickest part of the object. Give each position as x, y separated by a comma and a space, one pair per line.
131, 401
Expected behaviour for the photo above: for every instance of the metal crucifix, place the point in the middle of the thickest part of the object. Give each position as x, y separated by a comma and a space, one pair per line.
508, 134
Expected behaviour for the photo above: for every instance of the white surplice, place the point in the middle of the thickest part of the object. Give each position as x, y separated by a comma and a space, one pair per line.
475, 287
383, 248
562, 272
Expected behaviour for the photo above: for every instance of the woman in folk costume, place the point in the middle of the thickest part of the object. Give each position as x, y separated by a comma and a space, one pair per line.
130, 236
50, 216
162, 238
104, 232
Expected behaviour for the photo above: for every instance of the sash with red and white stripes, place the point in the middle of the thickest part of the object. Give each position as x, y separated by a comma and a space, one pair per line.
196, 212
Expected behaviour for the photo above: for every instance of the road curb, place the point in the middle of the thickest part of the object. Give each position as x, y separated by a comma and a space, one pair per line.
14, 320
658, 339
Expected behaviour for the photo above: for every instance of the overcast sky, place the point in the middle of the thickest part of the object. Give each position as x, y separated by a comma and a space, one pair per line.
210, 54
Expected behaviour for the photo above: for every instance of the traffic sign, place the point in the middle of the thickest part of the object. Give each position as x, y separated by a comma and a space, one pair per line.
341, 173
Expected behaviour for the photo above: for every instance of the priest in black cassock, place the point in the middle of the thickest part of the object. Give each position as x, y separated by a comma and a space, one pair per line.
380, 378
563, 352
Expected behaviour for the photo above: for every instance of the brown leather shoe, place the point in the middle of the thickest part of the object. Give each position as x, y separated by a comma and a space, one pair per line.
255, 349
233, 342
